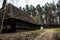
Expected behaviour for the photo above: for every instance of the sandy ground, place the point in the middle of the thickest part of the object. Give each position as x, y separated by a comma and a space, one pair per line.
47, 35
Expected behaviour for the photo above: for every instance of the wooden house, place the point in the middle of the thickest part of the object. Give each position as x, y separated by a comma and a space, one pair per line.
16, 18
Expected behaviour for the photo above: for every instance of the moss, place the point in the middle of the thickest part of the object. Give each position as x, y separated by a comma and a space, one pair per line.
35, 18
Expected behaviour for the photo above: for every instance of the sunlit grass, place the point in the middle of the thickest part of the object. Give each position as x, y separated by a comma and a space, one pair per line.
57, 30
33, 33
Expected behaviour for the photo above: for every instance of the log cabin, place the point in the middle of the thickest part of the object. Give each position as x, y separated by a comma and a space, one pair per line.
17, 19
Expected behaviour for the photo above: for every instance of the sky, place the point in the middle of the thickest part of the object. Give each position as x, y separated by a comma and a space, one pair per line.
22, 3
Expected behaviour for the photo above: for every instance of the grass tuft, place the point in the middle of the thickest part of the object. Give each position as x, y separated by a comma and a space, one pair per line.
57, 30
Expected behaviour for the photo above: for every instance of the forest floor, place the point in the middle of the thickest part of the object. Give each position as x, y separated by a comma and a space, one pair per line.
45, 34
24, 35
48, 34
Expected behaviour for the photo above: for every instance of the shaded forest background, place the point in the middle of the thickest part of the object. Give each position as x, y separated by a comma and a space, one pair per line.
47, 14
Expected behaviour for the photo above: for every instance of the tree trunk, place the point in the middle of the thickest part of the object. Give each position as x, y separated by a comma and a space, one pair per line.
3, 12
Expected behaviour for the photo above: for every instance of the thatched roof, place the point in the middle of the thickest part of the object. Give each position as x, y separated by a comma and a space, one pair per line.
14, 12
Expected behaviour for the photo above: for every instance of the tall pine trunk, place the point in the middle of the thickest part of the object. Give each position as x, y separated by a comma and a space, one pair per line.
3, 12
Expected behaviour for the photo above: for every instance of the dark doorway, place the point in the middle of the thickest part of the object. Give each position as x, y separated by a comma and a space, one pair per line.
9, 25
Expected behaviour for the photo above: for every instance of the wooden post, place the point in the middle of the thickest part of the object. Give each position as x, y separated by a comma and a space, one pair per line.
4, 8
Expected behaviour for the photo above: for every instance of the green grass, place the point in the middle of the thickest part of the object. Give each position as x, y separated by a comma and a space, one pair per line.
33, 33
57, 30
22, 35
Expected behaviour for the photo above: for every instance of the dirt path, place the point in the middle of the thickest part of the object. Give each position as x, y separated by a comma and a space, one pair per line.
47, 35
